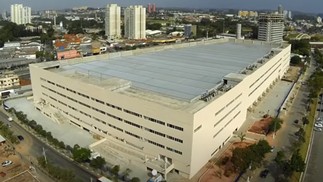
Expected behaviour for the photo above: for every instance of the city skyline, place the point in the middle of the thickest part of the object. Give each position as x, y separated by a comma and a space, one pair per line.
299, 5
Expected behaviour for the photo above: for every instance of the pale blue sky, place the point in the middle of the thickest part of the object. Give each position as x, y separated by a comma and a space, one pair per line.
314, 6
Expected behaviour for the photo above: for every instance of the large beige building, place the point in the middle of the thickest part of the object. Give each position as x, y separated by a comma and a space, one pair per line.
112, 21
176, 104
135, 22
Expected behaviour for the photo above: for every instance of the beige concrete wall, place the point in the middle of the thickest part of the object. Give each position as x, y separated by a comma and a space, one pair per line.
204, 143
142, 107
197, 147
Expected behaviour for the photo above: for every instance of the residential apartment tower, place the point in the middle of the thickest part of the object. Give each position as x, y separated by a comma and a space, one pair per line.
20, 14
135, 22
112, 21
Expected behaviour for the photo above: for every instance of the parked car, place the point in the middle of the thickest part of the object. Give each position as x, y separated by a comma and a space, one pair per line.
6, 163
317, 129
318, 125
264, 173
21, 138
10, 119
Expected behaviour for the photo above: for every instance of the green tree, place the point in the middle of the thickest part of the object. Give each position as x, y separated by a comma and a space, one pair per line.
301, 47
154, 26
135, 179
81, 154
242, 136
126, 173
301, 135
295, 60
241, 158
275, 125
98, 162
61, 145
115, 170
305, 121
297, 163
280, 157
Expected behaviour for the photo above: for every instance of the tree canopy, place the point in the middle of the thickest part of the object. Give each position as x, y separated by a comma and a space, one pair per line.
11, 32
81, 154
251, 156
275, 125
301, 47
295, 60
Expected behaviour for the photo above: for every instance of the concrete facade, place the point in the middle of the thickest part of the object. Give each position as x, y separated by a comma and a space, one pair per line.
67, 54
112, 21
271, 27
9, 80
165, 133
20, 14
135, 22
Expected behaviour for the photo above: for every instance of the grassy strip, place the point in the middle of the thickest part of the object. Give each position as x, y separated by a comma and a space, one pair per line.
308, 132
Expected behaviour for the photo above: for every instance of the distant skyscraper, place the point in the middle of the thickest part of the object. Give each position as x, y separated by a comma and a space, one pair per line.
112, 21
187, 30
20, 14
280, 9
151, 8
271, 27
135, 22
289, 14
4, 15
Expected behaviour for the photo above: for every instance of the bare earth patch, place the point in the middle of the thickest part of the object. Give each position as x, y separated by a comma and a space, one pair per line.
261, 126
223, 171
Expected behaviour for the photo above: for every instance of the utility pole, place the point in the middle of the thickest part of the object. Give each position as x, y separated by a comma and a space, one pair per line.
44, 154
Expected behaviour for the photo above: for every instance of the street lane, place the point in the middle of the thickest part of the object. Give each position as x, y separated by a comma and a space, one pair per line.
36, 149
315, 164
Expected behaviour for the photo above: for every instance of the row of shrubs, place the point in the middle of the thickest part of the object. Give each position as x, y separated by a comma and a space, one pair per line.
78, 154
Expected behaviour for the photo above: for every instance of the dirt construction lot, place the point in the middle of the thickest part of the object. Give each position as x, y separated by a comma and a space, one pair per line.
15, 170
223, 169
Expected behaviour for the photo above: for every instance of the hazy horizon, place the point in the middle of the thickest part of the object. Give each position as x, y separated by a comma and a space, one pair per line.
313, 6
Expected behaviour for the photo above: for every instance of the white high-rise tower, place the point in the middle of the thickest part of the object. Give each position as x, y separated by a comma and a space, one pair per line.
135, 22
20, 14
112, 21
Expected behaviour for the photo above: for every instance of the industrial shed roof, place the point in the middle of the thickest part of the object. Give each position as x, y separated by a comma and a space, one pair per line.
181, 73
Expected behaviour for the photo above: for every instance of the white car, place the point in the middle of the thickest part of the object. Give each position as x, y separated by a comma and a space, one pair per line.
6, 163
318, 129
318, 125
319, 119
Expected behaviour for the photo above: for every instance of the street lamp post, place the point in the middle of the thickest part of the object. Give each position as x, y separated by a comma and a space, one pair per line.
274, 129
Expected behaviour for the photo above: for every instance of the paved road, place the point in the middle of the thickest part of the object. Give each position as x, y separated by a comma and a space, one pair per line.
285, 136
36, 150
315, 164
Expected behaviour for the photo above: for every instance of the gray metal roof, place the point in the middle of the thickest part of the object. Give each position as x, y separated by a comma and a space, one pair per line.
182, 73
